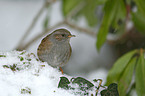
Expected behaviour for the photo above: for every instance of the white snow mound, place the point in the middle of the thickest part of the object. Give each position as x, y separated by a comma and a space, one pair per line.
21, 74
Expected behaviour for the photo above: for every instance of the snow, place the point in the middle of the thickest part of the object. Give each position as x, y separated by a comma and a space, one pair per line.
42, 81
30, 77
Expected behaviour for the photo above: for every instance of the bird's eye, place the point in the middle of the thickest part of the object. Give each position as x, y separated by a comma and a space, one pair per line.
63, 35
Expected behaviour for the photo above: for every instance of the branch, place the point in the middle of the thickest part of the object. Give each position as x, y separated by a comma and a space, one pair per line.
89, 32
33, 23
31, 26
73, 12
76, 10
40, 35
80, 29
22, 46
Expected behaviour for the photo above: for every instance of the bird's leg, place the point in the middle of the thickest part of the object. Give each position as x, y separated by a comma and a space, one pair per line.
61, 70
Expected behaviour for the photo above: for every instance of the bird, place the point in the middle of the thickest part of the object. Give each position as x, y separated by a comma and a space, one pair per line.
55, 48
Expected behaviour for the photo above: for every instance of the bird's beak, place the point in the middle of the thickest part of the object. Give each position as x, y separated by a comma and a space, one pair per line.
71, 36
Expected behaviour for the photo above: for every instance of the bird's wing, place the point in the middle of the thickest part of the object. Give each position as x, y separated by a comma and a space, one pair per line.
44, 47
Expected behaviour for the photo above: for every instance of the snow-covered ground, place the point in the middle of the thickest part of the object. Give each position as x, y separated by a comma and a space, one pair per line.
21, 74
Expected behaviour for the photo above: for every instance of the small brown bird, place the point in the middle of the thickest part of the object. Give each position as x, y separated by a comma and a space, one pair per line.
55, 48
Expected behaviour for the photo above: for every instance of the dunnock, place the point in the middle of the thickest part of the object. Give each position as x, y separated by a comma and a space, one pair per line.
55, 48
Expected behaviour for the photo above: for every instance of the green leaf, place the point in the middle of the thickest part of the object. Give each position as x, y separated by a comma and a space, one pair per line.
138, 20
69, 5
121, 13
26, 91
120, 16
2, 55
126, 77
90, 12
141, 6
83, 83
99, 2
140, 75
110, 8
63, 83
21, 58
85, 8
110, 91
119, 66
6, 66
23, 52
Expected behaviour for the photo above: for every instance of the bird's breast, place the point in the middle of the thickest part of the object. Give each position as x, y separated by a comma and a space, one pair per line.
59, 55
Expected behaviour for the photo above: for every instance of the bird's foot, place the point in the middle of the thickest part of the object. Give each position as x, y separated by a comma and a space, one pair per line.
61, 70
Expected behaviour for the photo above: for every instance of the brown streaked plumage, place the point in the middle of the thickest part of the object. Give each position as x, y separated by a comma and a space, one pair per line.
55, 48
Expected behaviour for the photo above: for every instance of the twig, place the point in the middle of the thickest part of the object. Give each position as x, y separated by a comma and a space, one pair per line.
75, 10
21, 45
40, 35
91, 33
99, 86
31, 26
55, 26
47, 3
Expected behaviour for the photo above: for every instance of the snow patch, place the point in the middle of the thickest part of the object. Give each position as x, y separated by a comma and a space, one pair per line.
21, 74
